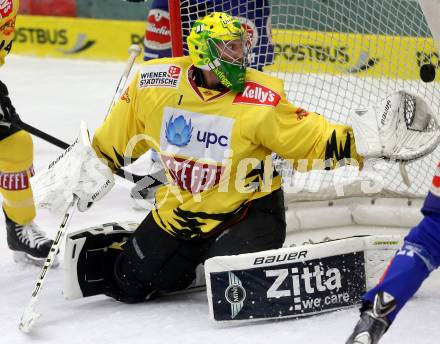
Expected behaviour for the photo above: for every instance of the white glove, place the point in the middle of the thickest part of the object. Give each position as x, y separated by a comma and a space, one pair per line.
401, 127
78, 171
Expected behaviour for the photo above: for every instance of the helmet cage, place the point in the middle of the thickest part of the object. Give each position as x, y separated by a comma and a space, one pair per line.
228, 65
224, 50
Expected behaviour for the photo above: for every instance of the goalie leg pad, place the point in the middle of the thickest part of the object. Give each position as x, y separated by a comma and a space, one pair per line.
86, 255
153, 261
295, 281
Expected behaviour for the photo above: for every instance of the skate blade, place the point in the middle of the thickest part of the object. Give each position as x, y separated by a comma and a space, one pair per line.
363, 338
24, 258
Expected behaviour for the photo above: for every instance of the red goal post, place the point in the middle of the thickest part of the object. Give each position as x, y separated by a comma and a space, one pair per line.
176, 28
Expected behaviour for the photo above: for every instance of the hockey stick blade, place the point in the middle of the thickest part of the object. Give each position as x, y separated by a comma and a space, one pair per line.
28, 319
29, 316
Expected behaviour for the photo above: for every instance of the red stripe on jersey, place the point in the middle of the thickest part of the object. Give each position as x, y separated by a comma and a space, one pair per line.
15, 181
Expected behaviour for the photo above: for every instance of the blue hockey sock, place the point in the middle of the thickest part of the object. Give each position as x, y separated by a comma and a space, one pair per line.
403, 278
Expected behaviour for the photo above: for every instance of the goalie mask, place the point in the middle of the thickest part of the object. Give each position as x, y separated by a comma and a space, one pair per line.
220, 44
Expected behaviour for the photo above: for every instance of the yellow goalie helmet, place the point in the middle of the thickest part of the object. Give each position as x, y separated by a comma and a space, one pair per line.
219, 43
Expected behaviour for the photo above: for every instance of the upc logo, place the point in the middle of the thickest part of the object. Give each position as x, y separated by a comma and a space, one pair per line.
209, 138
178, 131
195, 135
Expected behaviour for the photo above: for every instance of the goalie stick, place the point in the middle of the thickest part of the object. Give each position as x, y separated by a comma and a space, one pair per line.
30, 316
134, 50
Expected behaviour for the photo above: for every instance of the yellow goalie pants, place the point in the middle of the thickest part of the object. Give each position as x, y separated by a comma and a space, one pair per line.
16, 157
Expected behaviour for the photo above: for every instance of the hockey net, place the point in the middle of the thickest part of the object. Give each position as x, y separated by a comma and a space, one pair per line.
335, 56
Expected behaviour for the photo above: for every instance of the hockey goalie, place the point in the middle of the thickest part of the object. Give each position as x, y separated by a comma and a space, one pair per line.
214, 123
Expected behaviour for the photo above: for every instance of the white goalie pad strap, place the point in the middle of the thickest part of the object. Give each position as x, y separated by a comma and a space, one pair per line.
401, 127
296, 281
77, 171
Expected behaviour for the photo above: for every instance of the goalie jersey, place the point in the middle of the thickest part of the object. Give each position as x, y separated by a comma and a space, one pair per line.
215, 145
8, 14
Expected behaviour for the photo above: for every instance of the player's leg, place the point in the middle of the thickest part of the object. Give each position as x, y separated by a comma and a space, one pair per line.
263, 228
128, 263
153, 261
23, 235
411, 265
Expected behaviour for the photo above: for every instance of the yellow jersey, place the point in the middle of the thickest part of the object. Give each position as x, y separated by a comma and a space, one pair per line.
8, 15
215, 145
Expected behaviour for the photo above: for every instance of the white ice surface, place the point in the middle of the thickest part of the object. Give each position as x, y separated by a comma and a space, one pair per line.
54, 95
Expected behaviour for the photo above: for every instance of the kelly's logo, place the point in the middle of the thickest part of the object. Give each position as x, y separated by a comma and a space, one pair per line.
257, 94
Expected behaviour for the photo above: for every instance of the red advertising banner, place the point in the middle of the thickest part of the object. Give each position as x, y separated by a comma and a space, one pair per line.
63, 8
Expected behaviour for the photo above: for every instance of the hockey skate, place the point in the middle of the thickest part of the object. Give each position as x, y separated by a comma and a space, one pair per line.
373, 323
29, 243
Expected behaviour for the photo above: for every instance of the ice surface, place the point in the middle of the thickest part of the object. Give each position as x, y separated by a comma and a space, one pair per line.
54, 95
